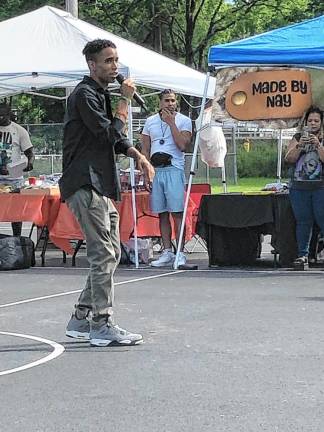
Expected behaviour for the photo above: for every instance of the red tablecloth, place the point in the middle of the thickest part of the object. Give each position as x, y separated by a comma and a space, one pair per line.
47, 210
40, 209
66, 227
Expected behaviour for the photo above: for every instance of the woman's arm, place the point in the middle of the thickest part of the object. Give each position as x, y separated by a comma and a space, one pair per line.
293, 152
313, 139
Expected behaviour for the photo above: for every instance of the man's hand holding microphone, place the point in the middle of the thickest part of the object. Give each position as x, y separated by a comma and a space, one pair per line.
128, 91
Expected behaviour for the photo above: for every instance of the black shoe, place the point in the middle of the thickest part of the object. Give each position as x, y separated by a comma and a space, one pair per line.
300, 263
312, 262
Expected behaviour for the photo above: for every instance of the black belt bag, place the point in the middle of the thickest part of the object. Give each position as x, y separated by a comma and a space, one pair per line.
160, 160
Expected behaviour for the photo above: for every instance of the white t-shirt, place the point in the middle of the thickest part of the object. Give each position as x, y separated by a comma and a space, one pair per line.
158, 130
14, 140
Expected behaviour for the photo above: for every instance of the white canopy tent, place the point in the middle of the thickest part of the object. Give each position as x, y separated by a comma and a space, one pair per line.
43, 49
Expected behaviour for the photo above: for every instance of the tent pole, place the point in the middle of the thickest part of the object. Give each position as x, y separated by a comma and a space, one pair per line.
235, 153
192, 172
72, 7
224, 179
132, 179
279, 162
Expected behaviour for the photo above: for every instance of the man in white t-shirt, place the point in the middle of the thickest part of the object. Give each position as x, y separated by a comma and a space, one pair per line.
165, 137
14, 140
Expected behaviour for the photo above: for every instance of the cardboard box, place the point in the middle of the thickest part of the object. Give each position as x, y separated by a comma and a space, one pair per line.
53, 191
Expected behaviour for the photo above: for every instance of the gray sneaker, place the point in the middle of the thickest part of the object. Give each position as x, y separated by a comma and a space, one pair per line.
78, 328
103, 333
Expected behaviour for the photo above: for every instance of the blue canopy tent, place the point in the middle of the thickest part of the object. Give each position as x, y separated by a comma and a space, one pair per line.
300, 45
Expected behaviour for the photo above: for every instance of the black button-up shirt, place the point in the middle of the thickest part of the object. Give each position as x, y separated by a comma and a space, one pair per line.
92, 137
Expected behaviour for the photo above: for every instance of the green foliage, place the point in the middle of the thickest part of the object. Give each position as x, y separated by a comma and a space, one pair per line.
37, 109
249, 184
12, 8
317, 87
28, 112
316, 7
47, 138
47, 165
260, 161
270, 15
183, 30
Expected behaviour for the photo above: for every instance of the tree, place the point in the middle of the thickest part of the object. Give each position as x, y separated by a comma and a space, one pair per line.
181, 29
271, 15
316, 7
11, 8
184, 29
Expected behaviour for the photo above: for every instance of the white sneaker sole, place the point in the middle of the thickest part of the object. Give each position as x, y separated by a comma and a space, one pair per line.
168, 264
77, 335
106, 342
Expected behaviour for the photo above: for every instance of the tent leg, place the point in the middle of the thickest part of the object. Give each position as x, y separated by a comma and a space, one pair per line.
235, 153
192, 173
279, 161
224, 179
133, 186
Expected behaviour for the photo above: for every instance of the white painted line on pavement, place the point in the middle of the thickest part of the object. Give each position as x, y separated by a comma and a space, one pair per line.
58, 350
39, 298
128, 269
274, 272
79, 290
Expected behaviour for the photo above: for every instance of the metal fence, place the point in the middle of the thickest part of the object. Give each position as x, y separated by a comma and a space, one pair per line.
47, 140
47, 164
52, 163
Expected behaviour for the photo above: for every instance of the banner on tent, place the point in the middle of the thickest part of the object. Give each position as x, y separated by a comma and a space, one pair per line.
274, 99
269, 95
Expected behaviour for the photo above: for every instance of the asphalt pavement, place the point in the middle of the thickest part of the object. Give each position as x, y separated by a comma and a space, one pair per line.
227, 349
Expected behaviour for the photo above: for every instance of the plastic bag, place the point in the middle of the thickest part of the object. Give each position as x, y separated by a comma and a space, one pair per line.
16, 252
145, 250
212, 141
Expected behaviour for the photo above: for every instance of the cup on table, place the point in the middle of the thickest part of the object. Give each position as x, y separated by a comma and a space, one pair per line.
32, 181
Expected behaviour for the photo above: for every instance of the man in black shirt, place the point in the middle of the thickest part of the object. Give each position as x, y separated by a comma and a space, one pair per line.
92, 137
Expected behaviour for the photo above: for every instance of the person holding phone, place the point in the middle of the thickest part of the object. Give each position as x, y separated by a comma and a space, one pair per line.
164, 140
306, 154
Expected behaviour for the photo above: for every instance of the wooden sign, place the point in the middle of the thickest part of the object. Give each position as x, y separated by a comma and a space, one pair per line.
269, 95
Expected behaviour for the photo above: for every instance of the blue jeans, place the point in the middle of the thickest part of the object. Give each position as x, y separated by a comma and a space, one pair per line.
307, 205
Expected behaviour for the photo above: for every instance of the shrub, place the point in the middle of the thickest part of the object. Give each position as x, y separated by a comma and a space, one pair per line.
260, 161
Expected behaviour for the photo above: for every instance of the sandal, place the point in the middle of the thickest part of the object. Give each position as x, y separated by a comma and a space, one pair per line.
300, 263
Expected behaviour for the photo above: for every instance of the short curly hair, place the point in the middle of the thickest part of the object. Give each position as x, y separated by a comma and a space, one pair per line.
166, 92
94, 47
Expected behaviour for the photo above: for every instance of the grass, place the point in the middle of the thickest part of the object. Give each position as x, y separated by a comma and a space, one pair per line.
250, 184
43, 164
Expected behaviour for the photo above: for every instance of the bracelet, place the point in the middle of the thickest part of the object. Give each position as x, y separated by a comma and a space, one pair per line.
123, 116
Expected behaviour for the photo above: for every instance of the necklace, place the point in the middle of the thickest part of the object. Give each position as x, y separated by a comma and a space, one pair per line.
162, 141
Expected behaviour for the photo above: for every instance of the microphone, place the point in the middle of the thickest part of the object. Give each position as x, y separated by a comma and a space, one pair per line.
137, 98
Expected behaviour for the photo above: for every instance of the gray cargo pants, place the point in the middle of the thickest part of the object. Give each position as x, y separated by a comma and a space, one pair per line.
99, 221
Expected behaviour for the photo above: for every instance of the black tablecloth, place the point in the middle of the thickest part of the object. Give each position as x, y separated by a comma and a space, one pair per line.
232, 224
